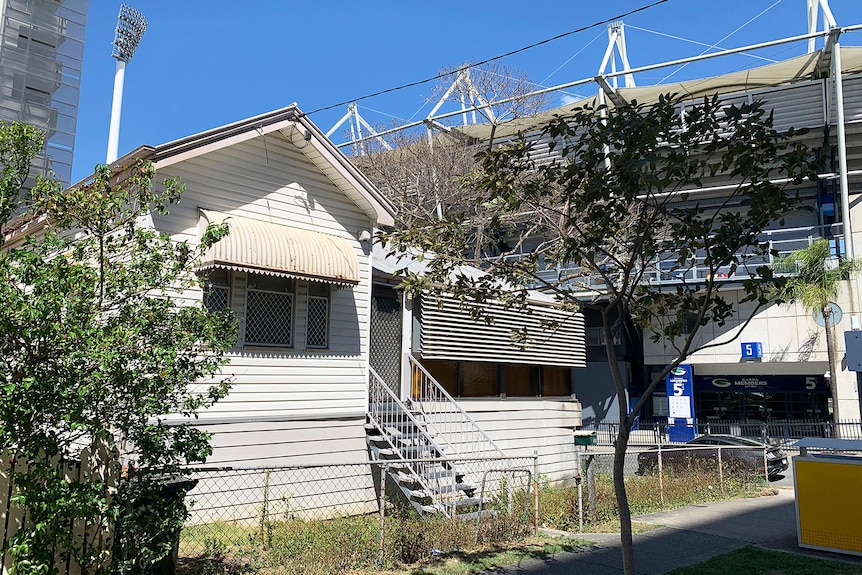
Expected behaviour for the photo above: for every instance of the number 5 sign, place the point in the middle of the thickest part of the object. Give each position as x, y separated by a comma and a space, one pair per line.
679, 392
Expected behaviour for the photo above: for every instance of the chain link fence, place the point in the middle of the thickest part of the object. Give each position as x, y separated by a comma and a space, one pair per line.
656, 478
647, 432
335, 518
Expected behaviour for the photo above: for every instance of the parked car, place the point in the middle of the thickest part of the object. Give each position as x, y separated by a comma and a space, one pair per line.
740, 452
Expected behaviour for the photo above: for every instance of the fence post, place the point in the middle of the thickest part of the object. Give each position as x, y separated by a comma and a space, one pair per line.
535, 492
720, 471
660, 476
591, 487
384, 471
579, 481
264, 511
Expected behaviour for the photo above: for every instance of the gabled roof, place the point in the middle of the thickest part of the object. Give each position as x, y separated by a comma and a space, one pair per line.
294, 125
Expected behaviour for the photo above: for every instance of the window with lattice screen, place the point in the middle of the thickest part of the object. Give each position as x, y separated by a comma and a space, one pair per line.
269, 311
217, 291
317, 324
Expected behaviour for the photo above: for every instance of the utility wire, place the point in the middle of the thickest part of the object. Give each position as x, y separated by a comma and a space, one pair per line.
501, 56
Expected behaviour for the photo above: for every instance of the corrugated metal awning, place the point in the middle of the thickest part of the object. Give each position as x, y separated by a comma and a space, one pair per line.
260, 247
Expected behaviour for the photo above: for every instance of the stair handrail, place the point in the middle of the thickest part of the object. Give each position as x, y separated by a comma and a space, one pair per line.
377, 383
406, 411
456, 407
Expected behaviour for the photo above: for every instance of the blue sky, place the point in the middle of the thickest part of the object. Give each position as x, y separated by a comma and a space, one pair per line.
205, 63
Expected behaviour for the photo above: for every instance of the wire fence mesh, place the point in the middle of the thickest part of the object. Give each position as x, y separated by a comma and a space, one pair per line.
648, 432
334, 518
655, 479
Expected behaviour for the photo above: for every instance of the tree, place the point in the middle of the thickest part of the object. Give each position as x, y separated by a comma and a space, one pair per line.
422, 172
618, 206
420, 175
97, 352
816, 277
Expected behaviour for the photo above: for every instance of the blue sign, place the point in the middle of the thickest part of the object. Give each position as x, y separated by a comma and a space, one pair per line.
680, 386
752, 350
680, 403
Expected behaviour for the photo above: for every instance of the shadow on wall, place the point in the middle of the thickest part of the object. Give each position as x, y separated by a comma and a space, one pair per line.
594, 388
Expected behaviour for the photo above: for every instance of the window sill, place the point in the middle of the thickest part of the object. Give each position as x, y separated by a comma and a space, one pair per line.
284, 350
267, 349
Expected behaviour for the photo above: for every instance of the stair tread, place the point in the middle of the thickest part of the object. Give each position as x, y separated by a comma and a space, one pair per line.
476, 514
414, 435
442, 473
432, 508
467, 501
402, 477
448, 488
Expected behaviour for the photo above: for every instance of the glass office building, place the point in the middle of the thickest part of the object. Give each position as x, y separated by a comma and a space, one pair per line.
41, 51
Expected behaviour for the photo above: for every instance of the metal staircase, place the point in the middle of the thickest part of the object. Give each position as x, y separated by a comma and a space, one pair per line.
435, 453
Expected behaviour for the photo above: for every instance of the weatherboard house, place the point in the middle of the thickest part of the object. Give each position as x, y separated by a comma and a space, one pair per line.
317, 322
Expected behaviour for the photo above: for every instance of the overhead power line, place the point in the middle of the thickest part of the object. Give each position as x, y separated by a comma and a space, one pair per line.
501, 56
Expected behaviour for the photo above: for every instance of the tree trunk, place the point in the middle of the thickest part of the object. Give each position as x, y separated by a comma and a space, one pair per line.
626, 542
830, 352
620, 445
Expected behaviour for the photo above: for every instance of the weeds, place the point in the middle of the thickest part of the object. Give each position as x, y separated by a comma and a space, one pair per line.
339, 545
558, 508
285, 543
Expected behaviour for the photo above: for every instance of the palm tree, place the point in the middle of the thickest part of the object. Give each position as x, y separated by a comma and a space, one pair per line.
816, 281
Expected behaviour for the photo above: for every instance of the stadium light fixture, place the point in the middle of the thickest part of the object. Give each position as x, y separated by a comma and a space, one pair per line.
131, 25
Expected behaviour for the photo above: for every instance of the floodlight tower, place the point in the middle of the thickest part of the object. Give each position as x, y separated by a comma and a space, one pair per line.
130, 28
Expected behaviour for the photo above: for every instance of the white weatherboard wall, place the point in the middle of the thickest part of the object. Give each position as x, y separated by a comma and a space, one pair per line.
285, 405
524, 426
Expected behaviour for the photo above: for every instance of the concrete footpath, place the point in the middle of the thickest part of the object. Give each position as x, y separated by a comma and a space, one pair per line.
689, 535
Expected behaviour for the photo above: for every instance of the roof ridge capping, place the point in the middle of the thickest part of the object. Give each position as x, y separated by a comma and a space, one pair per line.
213, 135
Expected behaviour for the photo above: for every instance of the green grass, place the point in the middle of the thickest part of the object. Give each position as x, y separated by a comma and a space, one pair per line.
752, 559
558, 507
